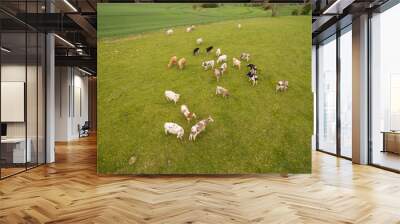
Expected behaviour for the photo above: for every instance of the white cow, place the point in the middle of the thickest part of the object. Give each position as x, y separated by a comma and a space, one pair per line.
172, 96
218, 52
282, 85
169, 32
181, 63
208, 64
221, 91
175, 129
188, 115
199, 127
217, 73
236, 63
224, 67
245, 56
222, 58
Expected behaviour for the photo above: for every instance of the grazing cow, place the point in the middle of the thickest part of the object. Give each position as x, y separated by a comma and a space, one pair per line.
252, 75
218, 52
236, 63
245, 56
221, 91
208, 64
171, 96
283, 82
199, 127
174, 129
181, 63
199, 41
188, 115
172, 61
189, 29
282, 85
217, 73
196, 51
223, 67
169, 32
222, 58
209, 49
239, 25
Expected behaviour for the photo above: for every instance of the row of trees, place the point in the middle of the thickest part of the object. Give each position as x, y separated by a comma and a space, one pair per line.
304, 9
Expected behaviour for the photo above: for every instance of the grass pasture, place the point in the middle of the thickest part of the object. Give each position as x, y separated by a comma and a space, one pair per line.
255, 130
116, 20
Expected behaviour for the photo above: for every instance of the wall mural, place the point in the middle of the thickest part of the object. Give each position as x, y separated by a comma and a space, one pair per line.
204, 89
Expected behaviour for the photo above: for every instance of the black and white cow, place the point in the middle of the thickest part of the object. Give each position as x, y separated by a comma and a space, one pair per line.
252, 74
196, 51
209, 49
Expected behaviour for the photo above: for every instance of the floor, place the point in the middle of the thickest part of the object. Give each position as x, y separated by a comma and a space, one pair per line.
10, 171
387, 159
5, 172
70, 191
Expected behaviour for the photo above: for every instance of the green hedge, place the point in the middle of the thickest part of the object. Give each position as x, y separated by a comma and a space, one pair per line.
209, 5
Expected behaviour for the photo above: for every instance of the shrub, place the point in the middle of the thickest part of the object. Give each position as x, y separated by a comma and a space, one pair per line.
295, 12
306, 9
209, 5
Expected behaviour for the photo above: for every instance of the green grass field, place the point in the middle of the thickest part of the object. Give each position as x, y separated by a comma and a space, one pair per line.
255, 130
116, 20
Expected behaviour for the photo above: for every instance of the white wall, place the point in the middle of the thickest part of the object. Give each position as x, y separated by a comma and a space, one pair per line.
13, 101
70, 83
80, 84
33, 126
12, 73
62, 82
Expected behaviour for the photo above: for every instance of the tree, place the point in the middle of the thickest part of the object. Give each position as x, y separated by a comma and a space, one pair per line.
274, 10
306, 8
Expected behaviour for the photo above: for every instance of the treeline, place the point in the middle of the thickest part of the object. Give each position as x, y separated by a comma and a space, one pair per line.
203, 1
304, 6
